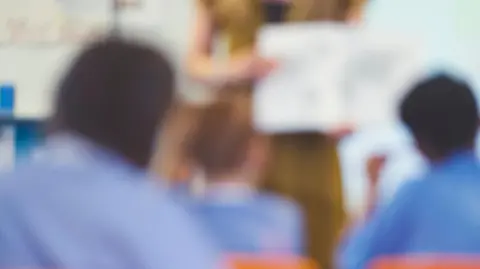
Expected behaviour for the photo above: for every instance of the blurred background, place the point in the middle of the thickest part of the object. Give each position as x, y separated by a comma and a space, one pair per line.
37, 37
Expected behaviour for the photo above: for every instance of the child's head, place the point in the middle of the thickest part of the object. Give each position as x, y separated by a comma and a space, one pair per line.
225, 144
442, 114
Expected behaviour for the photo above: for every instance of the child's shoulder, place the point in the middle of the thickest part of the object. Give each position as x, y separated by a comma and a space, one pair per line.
282, 205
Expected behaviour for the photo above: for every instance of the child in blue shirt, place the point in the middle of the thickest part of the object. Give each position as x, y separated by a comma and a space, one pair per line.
437, 213
231, 157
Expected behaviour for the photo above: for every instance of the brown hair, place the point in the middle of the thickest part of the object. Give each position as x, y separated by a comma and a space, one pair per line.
222, 139
171, 158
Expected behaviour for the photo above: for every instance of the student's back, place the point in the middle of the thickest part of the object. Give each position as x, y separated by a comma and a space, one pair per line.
257, 223
445, 216
82, 208
437, 214
231, 155
86, 202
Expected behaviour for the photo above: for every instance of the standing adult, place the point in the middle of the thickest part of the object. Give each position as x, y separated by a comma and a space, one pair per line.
305, 165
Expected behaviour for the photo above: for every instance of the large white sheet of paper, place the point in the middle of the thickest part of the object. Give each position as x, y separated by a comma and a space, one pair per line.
332, 75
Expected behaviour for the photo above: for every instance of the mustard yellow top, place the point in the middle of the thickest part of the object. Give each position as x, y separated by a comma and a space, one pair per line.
239, 20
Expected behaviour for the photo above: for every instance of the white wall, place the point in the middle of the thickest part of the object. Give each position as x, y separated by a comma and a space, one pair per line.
35, 68
167, 23
34, 72
35, 46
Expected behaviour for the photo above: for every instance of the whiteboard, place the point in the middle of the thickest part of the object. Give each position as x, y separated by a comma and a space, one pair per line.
38, 39
34, 72
30, 62
52, 22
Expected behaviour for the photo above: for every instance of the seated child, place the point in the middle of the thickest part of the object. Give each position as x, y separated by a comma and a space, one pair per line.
231, 157
435, 215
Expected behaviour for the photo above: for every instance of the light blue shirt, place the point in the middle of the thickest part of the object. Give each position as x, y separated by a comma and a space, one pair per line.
80, 207
436, 214
245, 221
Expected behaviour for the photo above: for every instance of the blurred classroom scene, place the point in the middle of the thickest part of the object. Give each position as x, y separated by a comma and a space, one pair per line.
305, 198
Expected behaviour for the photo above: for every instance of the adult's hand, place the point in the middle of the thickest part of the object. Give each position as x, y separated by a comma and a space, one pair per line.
341, 132
249, 67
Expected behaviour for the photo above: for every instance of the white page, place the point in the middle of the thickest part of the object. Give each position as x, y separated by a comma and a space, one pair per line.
332, 75
383, 67
302, 94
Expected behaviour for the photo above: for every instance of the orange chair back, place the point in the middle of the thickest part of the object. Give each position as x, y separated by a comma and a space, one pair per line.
428, 262
270, 262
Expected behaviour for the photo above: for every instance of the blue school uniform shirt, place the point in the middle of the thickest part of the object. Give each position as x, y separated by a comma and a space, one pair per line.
436, 214
245, 221
80, 207
182, 194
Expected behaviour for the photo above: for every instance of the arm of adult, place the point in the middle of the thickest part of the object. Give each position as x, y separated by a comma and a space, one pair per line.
202, 67
355, 11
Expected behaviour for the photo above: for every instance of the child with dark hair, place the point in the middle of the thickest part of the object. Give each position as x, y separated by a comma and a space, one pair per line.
436, 214
88, 202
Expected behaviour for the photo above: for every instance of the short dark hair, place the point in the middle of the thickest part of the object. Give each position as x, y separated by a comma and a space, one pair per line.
221, 140
441, 111
115, 94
